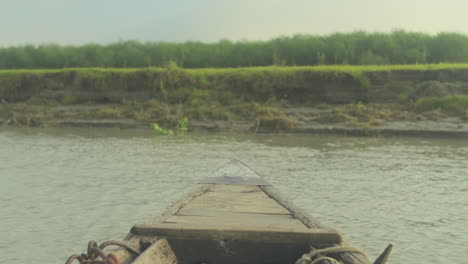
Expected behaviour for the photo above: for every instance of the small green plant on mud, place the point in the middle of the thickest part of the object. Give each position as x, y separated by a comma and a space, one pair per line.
181, 127
356, 107
160, 131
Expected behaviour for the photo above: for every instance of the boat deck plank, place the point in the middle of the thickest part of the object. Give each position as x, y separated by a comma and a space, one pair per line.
222, 233
244, 200
233, 188
194, 217
235, 205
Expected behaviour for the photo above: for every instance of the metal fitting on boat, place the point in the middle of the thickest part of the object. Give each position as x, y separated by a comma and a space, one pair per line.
95, 252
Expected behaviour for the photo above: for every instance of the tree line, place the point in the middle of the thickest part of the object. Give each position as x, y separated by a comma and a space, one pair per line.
357, 48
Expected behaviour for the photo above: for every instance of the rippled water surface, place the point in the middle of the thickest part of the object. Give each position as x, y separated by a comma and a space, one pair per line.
61, 188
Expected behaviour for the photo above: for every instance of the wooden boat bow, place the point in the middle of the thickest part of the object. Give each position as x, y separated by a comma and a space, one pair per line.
235, 216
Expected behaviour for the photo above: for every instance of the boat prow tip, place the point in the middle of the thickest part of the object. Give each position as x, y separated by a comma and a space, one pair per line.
235, 172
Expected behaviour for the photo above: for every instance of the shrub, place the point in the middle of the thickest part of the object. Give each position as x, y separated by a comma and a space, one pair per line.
70, 99
456, 104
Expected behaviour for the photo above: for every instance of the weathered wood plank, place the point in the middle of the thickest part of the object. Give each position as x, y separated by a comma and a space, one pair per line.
311, 222
159, 252
235, 219
221, 233
172, 209
295, 211
232, 196
250, 202
234, 188
262, 207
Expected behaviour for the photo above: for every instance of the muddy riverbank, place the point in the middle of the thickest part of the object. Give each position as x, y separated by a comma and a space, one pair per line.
351, 120
349, 100
339, 84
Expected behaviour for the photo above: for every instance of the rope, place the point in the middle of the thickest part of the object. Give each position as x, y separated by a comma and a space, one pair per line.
332, 260
308, 258
94, 252
120, 244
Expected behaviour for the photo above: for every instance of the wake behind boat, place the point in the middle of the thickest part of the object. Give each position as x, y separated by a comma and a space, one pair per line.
234, 217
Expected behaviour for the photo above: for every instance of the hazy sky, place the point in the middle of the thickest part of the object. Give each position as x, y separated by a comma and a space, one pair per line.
104, 21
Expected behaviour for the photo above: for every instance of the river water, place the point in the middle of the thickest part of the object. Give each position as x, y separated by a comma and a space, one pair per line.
61, 188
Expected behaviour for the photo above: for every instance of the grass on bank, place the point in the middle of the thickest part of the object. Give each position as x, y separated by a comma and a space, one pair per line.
268, 117
318, 68
251, 83
201, 94
455, 105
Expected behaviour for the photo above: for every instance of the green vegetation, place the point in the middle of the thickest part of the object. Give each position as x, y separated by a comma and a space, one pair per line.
357, 96
181, 127
230, 86
276, 123
456, 105
357, 48
161, 131
367, 115
69, 99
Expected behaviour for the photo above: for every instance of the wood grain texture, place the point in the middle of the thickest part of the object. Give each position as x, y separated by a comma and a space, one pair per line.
295, 211
234, 188
311, 222
247, 233
203, 217
249, 202
176, 206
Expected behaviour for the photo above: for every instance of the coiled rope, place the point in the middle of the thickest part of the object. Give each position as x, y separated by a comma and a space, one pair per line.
321, 254
95, 252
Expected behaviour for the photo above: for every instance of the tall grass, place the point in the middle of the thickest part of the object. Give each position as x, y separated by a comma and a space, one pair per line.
205, 71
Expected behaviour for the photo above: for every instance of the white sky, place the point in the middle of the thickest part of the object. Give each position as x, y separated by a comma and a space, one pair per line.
105, 21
